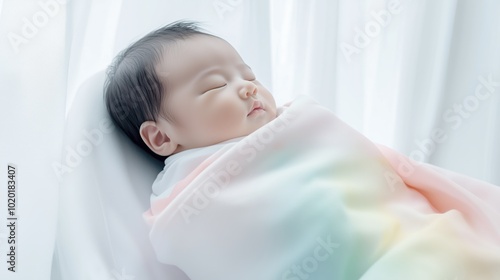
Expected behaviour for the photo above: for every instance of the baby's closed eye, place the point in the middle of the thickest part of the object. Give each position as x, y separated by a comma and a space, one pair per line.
217, 82
213, 82
214, 87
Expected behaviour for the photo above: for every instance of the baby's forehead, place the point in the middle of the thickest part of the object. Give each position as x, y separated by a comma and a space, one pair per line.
193, 54
200, 45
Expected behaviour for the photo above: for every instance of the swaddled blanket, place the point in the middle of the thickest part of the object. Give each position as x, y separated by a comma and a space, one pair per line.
308, 197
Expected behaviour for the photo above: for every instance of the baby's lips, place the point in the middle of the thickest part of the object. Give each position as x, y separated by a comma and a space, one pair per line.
256, 105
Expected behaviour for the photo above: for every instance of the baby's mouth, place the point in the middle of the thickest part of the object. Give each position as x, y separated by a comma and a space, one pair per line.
256, 108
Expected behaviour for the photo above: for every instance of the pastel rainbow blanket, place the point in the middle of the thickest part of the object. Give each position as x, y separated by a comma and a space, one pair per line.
308, 197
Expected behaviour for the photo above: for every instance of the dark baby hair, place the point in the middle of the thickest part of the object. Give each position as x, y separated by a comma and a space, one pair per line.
133, 91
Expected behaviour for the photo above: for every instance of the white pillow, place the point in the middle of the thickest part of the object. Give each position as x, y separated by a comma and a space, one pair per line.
105, 188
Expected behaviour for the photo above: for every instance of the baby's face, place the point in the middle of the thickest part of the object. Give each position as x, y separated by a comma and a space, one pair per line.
213, 95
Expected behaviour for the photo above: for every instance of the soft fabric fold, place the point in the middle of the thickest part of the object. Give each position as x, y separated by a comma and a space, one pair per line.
308, 197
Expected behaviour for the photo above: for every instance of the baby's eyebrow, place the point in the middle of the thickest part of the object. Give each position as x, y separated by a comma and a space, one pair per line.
206, 72
212, 69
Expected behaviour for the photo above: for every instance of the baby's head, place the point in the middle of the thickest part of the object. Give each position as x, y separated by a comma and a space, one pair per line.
179, 88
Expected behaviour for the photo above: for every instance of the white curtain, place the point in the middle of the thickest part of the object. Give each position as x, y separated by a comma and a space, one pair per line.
420, 76
402, 72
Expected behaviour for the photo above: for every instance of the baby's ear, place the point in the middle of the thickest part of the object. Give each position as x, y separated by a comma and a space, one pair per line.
156, 139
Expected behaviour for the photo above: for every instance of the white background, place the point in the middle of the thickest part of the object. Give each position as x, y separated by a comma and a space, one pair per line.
421, 63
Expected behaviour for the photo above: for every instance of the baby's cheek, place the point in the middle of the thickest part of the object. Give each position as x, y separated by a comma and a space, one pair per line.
227, 111
228, 117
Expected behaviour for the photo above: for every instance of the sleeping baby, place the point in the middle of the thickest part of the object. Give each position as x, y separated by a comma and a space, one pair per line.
183, 89
252, 191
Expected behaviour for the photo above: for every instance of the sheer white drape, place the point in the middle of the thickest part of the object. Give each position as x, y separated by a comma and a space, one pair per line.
408, 74
32, 100
400, 72
395, 70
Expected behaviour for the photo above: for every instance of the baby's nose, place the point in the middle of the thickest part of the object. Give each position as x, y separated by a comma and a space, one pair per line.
247, 89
